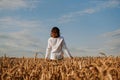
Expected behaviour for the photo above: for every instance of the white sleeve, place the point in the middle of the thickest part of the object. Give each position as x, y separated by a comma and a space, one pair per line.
66, 49
48, 49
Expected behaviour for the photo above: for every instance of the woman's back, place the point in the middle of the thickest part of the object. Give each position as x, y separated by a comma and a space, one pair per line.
56, 44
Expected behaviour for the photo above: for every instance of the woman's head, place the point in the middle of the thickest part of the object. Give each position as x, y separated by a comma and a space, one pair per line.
55, 32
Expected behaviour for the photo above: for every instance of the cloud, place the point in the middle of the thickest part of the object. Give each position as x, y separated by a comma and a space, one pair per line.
113, 35
99, 5
84, 51
17, 4
7, 22
70, 17
108, 43
18, 36
110, 4
112, 42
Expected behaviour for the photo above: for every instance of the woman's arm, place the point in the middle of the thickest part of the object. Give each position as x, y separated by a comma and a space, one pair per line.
66, 49
48, 49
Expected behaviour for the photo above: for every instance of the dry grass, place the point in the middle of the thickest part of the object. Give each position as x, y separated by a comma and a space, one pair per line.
81, 68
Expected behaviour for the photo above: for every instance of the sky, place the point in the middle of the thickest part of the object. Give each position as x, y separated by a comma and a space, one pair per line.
89, 27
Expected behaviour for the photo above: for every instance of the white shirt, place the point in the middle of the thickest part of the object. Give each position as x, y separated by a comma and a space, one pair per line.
55, 48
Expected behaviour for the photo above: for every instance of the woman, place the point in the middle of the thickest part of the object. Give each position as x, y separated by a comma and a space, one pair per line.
56, 46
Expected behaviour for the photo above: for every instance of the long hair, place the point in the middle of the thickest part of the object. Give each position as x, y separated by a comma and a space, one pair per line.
55, 32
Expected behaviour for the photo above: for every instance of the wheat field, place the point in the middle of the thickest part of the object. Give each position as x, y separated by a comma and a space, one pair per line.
78, 68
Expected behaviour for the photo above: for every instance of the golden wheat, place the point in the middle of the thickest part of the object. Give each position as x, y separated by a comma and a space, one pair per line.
78, 68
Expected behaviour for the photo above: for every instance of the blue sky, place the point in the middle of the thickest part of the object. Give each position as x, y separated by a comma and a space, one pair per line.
88, 26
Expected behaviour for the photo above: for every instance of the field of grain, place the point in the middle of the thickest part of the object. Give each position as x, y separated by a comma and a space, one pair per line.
79, 68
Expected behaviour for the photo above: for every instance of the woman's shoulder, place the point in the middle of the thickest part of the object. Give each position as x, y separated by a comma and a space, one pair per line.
56, 39
50, 38
61, 37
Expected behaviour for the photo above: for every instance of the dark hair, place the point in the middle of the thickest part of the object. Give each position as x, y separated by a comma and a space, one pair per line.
55, 32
